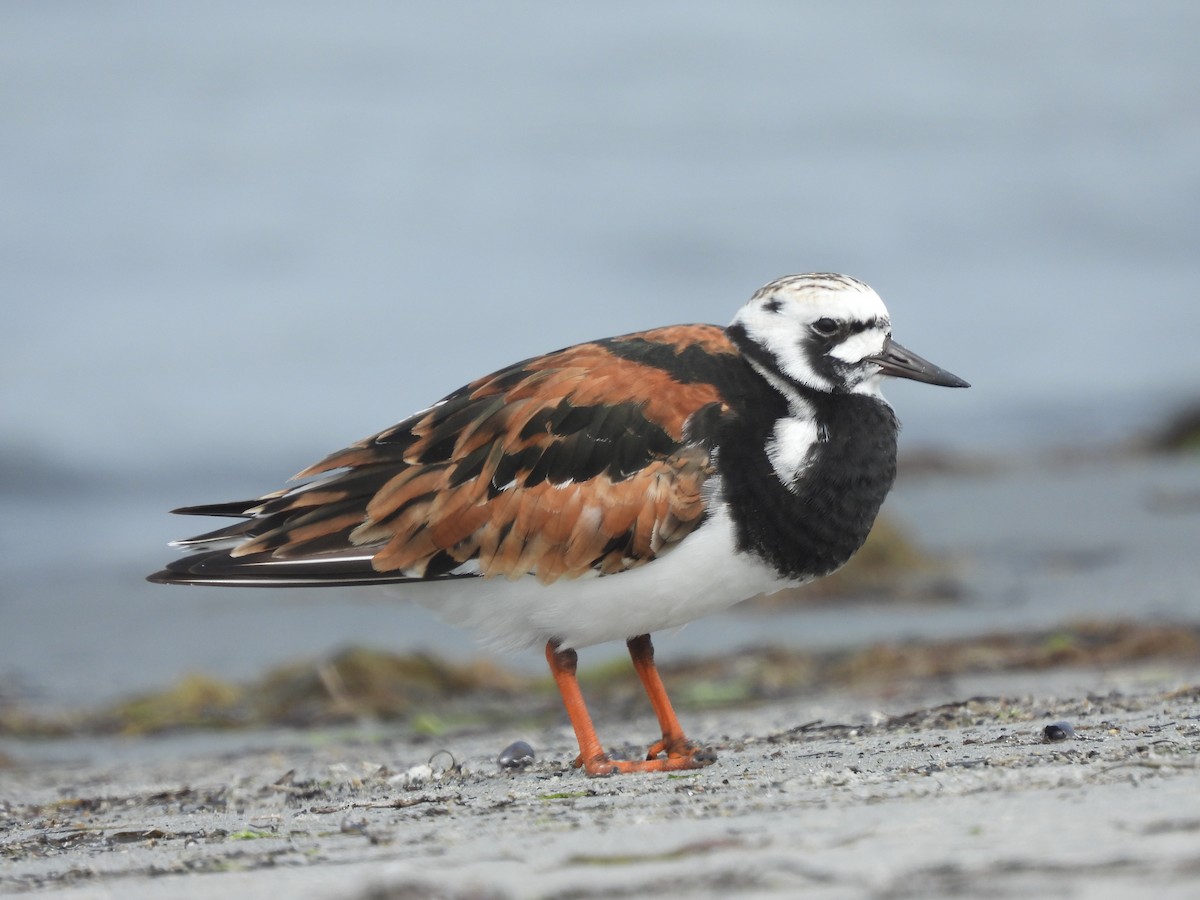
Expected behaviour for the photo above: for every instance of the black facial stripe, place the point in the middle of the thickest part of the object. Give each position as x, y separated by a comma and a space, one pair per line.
859, 327
813, 347
816, 350
841, 376
752, 350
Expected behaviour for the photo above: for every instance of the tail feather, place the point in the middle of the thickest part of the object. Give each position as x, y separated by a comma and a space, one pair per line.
217, 567
234, 509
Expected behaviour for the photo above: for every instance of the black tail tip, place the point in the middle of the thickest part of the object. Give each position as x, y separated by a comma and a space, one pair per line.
169, 575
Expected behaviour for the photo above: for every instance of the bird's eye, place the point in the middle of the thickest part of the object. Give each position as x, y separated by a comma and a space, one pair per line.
825, 326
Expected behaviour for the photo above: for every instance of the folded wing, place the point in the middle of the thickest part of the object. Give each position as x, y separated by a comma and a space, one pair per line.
592, 459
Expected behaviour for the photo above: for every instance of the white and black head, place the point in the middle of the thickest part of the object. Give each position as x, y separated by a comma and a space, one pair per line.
828, 333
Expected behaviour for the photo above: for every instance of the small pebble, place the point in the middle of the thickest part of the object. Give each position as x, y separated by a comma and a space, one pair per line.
1059, 731
516, 755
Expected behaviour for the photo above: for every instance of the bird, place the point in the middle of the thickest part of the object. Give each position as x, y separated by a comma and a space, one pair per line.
606, 490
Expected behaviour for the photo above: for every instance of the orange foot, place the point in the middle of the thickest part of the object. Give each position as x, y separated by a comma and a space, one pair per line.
672, 753
682, 755
682, 748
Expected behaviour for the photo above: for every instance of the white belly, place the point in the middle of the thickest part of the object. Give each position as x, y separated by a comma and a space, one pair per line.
704, 574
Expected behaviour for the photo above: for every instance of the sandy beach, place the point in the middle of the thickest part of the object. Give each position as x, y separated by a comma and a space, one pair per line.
864, 763
953, 789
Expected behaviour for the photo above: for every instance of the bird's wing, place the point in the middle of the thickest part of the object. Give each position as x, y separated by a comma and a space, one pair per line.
589, 459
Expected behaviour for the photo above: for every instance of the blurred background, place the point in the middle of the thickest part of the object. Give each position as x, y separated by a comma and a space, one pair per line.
235, 237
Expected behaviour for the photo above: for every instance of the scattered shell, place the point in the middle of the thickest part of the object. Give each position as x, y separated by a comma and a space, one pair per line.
1059, 731
516, 755
440, 766
416, 775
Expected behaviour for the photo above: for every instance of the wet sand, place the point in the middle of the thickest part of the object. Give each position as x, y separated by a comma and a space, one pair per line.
951, 789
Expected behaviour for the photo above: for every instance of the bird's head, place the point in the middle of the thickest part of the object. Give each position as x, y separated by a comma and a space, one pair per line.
829, 333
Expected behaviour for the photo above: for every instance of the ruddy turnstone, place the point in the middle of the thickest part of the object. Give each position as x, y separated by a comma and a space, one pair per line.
606, 490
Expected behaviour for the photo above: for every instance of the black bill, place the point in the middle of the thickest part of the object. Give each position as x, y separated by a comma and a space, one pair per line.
903, 363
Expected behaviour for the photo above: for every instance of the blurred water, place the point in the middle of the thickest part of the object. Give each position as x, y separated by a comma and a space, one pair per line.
235, 237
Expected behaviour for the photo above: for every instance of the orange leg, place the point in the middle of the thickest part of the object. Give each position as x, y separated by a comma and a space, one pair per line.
591, 755
681, 754
674, 742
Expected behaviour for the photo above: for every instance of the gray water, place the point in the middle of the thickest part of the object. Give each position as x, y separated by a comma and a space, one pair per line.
234, 237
